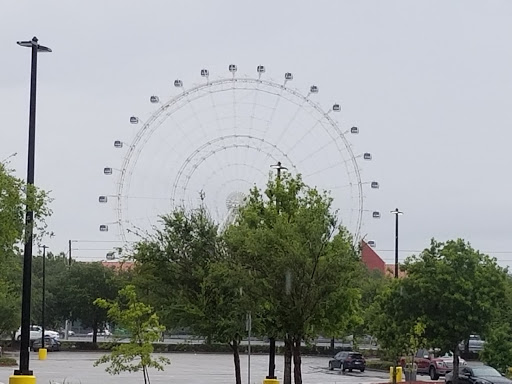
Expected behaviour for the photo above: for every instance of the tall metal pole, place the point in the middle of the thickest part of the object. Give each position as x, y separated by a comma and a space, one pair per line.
272, 353
396, 246
69, 260
44, 297
29, 218
397, 213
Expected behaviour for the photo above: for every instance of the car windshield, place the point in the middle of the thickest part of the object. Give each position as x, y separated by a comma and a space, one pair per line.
485, 372
356, 356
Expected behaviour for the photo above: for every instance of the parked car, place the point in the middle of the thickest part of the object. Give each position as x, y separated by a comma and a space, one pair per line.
434, 366
36, 333
51, 343
63, 333
348, 360
478, 375
475, 344
105, 332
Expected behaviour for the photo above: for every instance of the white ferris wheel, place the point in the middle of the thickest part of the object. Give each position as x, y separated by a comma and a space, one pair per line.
211, 143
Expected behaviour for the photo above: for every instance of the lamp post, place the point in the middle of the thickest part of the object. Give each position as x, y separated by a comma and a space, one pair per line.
271, 378
23, 375
397, 213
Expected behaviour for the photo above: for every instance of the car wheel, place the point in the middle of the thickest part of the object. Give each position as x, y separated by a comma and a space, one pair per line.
330, 366
433, 374
362, 370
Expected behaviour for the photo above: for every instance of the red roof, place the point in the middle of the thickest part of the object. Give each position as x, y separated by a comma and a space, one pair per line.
371, 259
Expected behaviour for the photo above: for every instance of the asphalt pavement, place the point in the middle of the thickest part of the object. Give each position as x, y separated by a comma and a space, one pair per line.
78, 368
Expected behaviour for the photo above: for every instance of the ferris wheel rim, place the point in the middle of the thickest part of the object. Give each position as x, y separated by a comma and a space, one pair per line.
128, 165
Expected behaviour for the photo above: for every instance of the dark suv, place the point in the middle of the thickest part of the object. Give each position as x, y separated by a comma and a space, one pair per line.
348, 360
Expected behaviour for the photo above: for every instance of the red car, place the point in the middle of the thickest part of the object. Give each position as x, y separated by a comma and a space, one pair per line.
434, 366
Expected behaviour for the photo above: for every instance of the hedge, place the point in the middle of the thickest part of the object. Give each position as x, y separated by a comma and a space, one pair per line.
7, 362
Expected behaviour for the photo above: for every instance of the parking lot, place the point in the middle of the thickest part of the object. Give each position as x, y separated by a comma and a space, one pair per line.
189, 368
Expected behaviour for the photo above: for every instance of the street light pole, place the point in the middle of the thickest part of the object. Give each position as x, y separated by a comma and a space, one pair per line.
271, 378
397, 213
23, 374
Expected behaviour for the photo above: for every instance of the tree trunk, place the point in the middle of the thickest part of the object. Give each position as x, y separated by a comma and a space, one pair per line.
297, 361
288, 346
95, 332
455, 371
144, 373
236, 360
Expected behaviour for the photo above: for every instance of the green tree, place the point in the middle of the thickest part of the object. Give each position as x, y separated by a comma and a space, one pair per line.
142, 323
186, 273
303, 261
371, 283
57, 273
85, 283
399, 333
14, 198
497, 350
456, 290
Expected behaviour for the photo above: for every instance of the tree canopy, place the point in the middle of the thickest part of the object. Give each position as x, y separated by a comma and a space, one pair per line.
304, 262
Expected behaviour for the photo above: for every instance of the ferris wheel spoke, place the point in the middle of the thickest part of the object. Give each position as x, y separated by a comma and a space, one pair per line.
272, 114
195, 114
326, 168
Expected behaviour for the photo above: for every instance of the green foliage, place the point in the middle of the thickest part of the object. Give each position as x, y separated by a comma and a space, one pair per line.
456, 289
14, 197
142, 323
303, 262
371, 284
57, 274
13, 202
85, 283
183, 271
193, 282
498, 346
398, 332
9, 309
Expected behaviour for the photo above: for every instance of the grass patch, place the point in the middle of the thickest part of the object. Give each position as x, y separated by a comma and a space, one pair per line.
7, 362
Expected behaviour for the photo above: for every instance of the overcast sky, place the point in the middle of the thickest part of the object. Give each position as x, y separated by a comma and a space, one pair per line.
428, 83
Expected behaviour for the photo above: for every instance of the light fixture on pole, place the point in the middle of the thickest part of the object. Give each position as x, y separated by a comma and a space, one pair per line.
279, 167
24, 375
397, 213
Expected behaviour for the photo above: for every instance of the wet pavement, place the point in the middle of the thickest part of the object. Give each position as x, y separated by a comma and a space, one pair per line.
185, 368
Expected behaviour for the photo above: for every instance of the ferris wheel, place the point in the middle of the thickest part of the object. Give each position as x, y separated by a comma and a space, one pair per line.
209, 144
